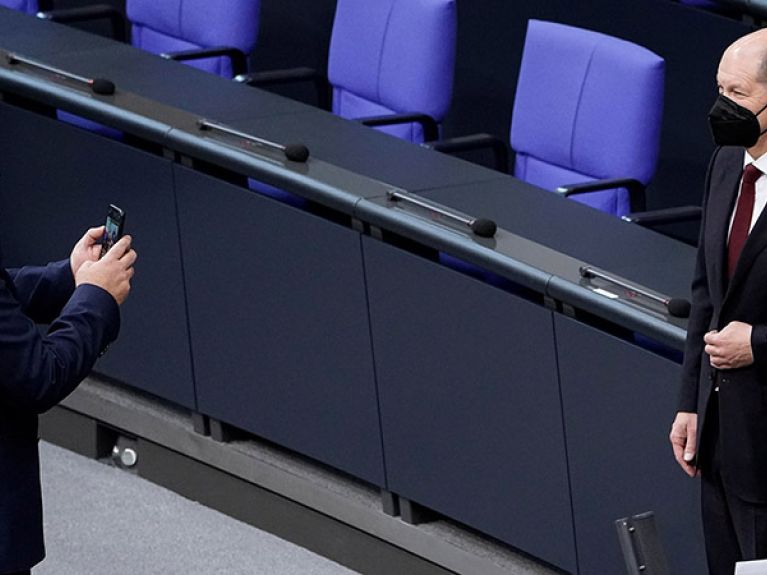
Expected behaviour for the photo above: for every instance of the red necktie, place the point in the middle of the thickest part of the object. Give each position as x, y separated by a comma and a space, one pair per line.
742, 221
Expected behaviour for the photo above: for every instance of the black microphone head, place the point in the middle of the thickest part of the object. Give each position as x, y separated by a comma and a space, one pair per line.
102, 86
678, 307
483, 227
296, 152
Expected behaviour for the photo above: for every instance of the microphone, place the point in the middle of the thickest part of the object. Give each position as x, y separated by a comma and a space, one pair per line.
678, 307
99, 86
102, 86
296, 152
482, 227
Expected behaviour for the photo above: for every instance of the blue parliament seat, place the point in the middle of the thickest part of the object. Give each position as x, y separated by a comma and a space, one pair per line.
390, 65
588, 107
586, 119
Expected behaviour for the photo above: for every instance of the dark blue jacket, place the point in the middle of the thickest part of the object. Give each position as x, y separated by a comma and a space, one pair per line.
36, 372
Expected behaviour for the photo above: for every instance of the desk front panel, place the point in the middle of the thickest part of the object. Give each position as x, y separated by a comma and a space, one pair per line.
470, 408
279, 323
619, 401
57, 181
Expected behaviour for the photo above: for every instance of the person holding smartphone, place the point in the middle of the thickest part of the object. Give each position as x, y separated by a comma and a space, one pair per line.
80, 299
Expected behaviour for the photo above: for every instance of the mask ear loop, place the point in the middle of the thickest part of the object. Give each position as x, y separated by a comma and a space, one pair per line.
757, 119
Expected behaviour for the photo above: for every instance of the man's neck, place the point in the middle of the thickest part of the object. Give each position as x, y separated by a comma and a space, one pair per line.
759, 149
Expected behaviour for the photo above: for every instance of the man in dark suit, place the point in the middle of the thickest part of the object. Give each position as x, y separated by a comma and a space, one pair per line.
720, 430
79, 297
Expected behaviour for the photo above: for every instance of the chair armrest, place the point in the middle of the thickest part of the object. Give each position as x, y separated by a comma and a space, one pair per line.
429, 124
475, 142
290, 76
635, 189
89, 13
665, 216
236, 56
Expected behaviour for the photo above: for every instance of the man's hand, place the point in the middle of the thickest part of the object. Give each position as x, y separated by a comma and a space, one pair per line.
87, 249
684, 441
113, 272
731, 347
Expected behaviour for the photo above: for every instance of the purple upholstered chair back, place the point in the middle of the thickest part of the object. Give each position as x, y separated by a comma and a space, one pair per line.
588, 106
28, 6
393, 56
174, 25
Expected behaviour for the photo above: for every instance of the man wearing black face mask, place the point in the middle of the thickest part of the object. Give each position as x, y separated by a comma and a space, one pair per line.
720, 430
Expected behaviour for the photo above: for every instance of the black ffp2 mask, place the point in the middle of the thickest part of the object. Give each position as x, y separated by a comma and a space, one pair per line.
732, 124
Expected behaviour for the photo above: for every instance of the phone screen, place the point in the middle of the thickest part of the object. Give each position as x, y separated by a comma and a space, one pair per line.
113, 229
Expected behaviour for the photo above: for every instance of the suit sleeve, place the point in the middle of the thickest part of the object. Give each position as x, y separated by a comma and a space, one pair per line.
37, 371
42, 292
700, 314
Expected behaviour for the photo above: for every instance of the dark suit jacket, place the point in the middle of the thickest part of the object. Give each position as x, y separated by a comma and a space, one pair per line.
715, 303
36, 372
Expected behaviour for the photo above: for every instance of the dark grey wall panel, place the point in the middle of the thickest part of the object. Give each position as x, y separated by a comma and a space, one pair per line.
278, 317
55, 182
470, 405
619, 401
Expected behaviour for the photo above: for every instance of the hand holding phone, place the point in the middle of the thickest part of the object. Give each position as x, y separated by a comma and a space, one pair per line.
113, 229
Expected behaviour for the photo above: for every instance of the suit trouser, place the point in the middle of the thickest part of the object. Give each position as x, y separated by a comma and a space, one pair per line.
734, 530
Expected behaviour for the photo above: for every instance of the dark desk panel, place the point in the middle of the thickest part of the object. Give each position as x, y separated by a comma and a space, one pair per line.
279, 324
584, 233
56, 182
470, 408
364, 150
36, 38
619, 401
174, 83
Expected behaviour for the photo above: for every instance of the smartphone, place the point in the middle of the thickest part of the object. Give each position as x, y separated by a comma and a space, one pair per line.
113, 229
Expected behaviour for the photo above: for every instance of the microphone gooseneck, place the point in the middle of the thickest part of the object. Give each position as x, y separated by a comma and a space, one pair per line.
677, 307
295, 152
100, 86
480, 226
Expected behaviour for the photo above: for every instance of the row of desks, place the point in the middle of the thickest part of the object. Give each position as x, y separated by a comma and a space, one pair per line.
483, 378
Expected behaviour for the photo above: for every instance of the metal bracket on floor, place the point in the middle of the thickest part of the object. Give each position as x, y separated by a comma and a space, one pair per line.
200, 423
220, 431
389, 503
413, 513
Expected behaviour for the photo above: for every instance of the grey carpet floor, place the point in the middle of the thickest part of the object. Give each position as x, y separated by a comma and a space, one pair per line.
103, 521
